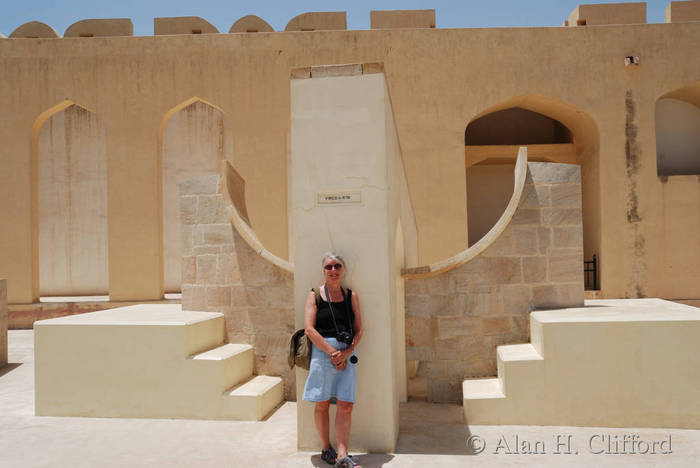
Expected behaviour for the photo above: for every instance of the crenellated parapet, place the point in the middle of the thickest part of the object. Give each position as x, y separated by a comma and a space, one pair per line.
677, 12
182, 25
100, 28
582, 15
35, 30
398, 19
249, 24
318, 21
608, 13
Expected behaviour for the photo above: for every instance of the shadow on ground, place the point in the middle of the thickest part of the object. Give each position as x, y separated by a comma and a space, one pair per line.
427, 428
369, 460
9, 367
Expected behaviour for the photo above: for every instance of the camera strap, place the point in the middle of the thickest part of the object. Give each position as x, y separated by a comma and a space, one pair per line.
330, 305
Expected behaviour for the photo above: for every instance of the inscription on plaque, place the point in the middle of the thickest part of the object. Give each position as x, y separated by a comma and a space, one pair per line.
345, 197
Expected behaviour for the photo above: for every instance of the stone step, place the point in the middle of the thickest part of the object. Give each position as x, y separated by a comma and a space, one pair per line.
147, 361
228, 365
518, 352
605, 365
254, 399
520, 368
482, 389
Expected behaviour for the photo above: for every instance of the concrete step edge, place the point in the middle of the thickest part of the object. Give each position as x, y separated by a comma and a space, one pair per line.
223, 352
256, 386
518, 352
479, 389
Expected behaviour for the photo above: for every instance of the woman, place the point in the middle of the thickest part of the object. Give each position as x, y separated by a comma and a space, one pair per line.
332, 372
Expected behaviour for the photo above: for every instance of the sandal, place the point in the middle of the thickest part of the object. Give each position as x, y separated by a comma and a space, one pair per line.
329, 455
346, 462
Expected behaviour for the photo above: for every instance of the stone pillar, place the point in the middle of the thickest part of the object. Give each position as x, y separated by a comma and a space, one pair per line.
348, 193
3, 322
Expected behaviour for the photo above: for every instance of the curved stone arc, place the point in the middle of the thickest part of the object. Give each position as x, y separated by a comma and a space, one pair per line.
35, 29
490, 237
248, 22
233, 190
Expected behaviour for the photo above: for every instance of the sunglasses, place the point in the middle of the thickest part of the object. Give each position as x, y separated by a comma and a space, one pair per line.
335, 266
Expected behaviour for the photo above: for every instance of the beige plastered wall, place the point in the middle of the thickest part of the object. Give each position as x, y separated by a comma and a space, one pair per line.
436, 89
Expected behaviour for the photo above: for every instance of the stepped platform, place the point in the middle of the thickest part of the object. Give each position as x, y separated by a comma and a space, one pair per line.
23, 316
613, 363
147, 361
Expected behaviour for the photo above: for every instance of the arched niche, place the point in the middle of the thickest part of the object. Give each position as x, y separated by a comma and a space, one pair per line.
69, 154
194, 137
553, 131
494, 137
34, 30
250, 23
677, 124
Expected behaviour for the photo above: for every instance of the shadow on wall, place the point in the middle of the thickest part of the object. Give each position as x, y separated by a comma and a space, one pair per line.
678, 132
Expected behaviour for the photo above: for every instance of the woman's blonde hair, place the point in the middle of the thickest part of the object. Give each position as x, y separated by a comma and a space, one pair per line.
333, 256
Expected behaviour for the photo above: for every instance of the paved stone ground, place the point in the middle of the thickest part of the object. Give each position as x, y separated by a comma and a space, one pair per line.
431, 435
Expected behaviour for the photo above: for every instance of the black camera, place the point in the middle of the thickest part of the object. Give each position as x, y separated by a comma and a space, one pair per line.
344, 337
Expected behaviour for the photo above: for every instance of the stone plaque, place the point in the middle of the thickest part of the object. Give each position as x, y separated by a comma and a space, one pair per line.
341, 197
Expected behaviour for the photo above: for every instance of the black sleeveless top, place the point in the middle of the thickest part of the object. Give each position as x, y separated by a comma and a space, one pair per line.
324, 322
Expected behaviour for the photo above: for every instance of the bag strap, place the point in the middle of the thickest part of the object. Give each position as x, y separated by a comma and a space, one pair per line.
318, 298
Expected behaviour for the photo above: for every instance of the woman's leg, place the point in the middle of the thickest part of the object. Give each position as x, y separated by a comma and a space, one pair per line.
342, 426
322, 424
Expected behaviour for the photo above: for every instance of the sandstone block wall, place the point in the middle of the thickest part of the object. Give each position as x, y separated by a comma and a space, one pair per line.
221, 273
3, 322
455, 320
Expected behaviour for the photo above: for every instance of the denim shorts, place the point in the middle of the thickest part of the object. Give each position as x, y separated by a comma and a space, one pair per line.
325, 381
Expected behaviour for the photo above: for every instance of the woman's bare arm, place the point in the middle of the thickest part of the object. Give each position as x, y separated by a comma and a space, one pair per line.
309, 325
357, 326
